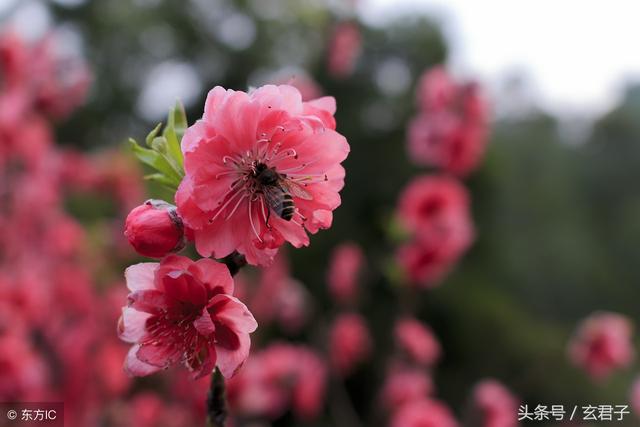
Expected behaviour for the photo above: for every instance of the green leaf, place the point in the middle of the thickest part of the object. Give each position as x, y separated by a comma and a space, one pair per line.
157, 161
162, 180
153, 134
174, 131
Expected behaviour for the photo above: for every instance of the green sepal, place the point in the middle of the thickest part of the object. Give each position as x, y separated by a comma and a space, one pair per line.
163, 153
157, 161
174, 131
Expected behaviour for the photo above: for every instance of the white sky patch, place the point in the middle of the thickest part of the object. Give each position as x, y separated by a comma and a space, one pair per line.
166, 83
577, 55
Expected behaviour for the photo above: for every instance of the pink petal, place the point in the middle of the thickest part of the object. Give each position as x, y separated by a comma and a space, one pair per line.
140, 276
161, 353
326, 103
213, 274
191, 214
215, 98
131, 327
206, 365
180, 285
232, 313
232, 350
217, 239
203, 324
148, 301
135, 367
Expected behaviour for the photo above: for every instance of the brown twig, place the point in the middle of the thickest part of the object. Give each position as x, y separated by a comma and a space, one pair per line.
216, 401
216, 398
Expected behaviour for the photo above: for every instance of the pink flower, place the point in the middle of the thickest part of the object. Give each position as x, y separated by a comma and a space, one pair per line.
425, 264
436, 208
404, 385
346, 263
602, 343
154, 229
279, 377
344, 49
496, 405
56, 82
279, 297
309, 89
260, 169
450, 131
436, 89
424, 413
183, 311
417, 341
350, 343
24, 374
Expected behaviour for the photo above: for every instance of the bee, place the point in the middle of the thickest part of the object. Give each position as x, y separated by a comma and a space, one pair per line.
278, 192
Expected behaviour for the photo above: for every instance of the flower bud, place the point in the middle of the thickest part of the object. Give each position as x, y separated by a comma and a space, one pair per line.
154, 229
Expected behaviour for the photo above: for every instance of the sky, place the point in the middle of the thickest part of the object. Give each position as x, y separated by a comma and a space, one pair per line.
576, 55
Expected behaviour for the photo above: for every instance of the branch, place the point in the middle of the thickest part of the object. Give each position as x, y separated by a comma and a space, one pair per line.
216, 401
216, 398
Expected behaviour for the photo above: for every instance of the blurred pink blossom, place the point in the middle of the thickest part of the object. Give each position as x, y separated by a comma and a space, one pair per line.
417, 341
496, 406
450, 130
346, 264
279, 297
424, 413
349, 343
602, 344
435, 211
279, 377
344, 49
404, 385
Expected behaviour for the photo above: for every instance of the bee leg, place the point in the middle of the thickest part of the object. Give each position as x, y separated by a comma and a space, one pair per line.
268, 216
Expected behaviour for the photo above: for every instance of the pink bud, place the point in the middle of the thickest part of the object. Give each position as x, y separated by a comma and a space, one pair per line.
154, 229
346, 262
417, 341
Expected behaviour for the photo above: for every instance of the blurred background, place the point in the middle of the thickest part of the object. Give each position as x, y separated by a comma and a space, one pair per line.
555, 201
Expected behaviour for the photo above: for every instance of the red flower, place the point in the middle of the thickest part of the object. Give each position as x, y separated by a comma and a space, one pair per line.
279, 377
424, 413
344, 49
435, 210
425, 264
497, 406
346, 263
404, 385
183, 311
279, 297
260, 169
350, 343
417, 341
450, 130
154, 229
602, 344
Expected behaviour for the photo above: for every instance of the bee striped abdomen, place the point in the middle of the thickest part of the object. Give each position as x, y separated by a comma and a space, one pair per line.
286, 208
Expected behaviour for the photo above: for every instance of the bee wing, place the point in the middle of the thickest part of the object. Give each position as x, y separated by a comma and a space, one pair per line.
298, 191
273, 196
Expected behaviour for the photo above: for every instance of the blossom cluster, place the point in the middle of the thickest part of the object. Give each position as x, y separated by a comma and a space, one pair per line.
434, 209
450, 130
